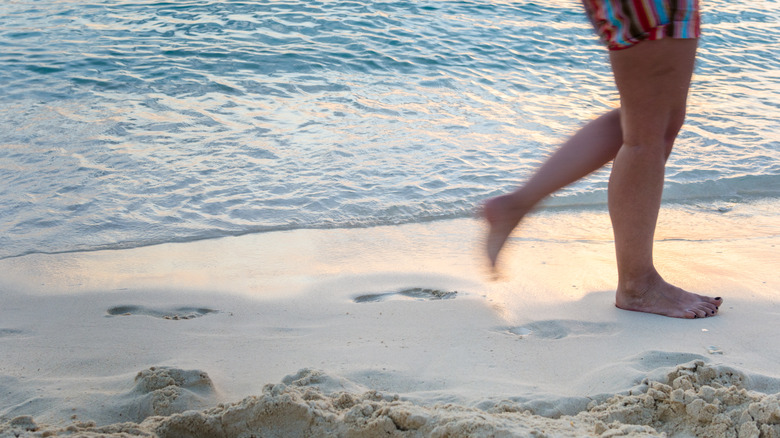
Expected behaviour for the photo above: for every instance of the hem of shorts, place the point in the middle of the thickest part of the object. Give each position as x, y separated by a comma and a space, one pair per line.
645, 37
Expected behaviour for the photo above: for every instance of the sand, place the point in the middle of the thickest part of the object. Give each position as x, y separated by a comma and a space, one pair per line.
395, 331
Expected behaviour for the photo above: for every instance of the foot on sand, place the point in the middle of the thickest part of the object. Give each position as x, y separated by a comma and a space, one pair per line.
502, 214
654, 295
658, 296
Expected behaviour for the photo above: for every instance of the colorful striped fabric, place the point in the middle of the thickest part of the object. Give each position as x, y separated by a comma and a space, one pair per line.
623, 23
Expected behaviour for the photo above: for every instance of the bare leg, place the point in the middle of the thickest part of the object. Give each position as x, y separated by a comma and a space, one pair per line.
653, 79
594, 145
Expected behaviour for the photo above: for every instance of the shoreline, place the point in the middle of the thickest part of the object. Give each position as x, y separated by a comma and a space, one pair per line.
404, 311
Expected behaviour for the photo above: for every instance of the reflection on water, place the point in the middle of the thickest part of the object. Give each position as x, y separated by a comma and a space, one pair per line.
129, 123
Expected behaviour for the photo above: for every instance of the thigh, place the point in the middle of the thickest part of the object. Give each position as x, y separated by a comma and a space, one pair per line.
653, 79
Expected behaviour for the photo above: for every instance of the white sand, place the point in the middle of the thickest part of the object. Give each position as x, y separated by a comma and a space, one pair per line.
358, 333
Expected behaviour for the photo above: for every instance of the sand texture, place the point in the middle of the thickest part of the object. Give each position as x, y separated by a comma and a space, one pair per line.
693, 400
394, 331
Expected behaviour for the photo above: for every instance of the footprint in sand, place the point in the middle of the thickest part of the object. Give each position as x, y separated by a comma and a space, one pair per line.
415, 293
4, 332
175, 314
560, 328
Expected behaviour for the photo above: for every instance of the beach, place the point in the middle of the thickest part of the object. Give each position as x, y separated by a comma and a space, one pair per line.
395, 331
257, 219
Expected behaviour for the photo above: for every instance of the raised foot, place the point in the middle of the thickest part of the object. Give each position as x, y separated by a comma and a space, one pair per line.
662, 298
502, 216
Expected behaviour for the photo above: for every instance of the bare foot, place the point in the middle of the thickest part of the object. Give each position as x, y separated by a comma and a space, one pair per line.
658, 296
502, 214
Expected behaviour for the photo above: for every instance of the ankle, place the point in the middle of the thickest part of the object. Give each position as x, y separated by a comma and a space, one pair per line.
518, 202
638, 284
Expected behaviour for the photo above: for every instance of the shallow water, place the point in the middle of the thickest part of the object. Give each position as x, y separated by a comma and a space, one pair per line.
128, 123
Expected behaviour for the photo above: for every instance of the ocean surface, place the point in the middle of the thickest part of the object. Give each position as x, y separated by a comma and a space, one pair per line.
128, 123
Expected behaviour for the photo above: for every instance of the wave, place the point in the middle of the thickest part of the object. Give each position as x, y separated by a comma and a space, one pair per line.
739, 189
180, 122
718, 195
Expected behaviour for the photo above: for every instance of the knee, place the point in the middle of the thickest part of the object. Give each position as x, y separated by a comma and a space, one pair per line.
654, 133
673, 128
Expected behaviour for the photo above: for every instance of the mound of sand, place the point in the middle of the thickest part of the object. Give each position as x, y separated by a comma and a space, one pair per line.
162, 391
693, 400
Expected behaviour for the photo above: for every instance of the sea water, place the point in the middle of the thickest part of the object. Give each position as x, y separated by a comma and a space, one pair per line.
133, 122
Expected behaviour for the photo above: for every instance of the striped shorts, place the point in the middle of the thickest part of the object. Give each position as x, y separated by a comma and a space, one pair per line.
623, 23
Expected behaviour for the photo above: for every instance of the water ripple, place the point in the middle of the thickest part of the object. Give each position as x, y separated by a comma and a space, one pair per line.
126, 123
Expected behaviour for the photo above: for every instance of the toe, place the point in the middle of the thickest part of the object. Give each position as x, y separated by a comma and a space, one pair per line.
705, 310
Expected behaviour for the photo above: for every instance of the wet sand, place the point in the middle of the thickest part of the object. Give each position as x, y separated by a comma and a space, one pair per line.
398, 331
